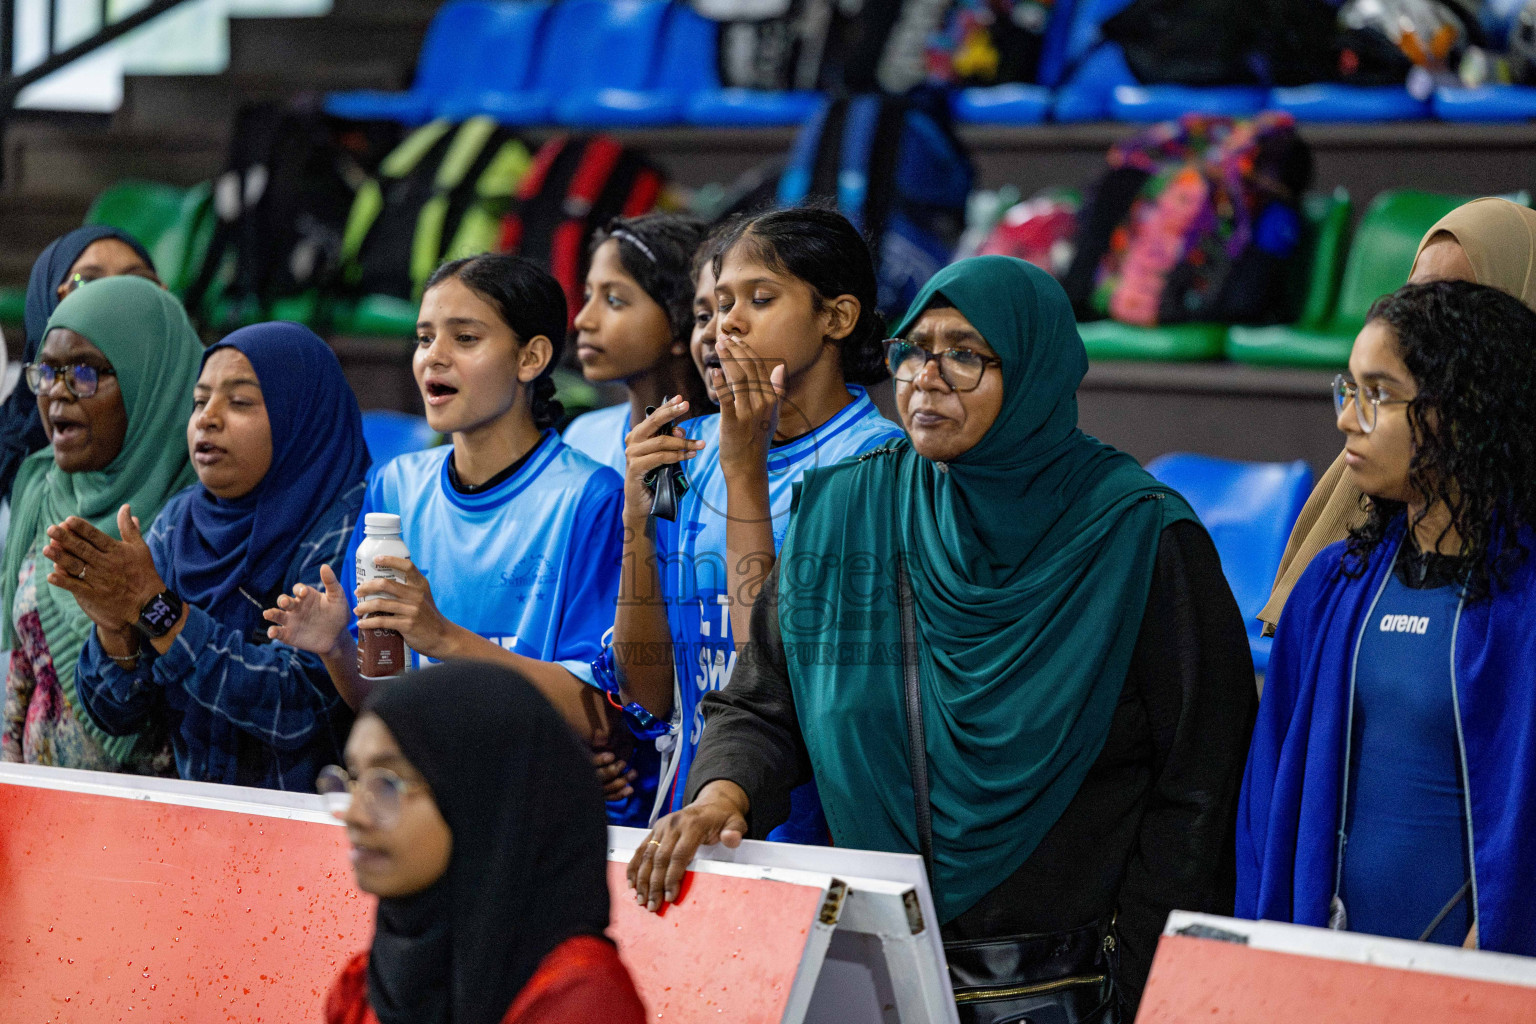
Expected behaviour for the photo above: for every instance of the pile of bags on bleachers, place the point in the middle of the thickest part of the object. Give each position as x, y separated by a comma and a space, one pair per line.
1201, 241
588, 64
339, 224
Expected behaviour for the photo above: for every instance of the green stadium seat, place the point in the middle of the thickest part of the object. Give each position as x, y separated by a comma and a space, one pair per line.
1171, 343
1379, 261
301, 309
144, 209
379, 316
1327, 221
170, 221
1318, 280
180, 250
372, 316
13, 306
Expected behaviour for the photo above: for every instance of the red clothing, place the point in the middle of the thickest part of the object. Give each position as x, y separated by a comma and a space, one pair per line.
581, 980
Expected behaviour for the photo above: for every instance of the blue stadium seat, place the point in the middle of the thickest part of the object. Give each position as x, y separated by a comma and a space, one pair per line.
390, 434
1145, 104
503, 58
1249, 509
1488, 103
1086, 94
689, 60
1056, 49
1010, 103
1084, 69
610, 76
1331, 101
444, 68
590, 68
521, 94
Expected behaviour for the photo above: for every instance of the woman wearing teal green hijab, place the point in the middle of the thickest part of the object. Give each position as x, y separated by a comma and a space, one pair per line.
114, 383
1085, 685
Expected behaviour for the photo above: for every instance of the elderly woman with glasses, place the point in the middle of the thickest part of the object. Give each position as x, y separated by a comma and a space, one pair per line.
1390, 785
113, 384
1002, 645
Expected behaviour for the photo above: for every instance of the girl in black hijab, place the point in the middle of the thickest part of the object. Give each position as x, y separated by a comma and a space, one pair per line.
475, 819
84, 254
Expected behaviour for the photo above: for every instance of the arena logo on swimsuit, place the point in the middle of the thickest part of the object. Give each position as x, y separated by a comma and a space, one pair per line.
1415, 624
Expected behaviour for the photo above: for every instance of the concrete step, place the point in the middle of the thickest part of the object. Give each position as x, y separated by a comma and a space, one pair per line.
80, 163
197, 103
304, 45
384, 8
27, 225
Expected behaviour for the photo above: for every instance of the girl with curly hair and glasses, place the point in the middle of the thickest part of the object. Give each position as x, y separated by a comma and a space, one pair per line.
1389, 785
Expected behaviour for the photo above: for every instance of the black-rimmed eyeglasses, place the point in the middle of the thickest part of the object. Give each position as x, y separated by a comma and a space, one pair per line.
80, 379
959, 368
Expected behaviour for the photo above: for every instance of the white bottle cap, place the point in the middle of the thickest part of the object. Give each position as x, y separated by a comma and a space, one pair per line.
381, 522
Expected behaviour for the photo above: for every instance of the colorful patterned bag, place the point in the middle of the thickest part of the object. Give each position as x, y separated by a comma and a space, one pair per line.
1194, 221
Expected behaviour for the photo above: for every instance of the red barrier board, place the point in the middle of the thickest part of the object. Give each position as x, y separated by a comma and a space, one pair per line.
1215, 982
732, 945
120, 909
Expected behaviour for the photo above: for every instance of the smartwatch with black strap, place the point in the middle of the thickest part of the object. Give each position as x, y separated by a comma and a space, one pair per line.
161, 613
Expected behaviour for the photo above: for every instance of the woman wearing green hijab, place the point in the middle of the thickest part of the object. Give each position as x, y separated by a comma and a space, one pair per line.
114, 383
1085, 686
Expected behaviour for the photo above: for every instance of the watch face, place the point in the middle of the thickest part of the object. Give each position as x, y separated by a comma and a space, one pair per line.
160, 614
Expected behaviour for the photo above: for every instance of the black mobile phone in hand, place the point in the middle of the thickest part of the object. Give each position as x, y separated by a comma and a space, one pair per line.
668, 484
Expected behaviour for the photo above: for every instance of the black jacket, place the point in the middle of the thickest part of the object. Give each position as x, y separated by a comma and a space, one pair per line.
1152, 828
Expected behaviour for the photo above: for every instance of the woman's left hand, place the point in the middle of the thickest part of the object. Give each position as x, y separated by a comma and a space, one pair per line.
112, 580
405, 605
750, 392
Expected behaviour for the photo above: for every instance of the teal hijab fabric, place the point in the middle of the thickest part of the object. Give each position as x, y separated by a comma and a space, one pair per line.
1031, 557
144, 333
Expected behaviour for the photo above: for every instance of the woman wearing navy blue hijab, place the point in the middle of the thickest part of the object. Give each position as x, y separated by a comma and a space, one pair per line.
276, 439
84, 254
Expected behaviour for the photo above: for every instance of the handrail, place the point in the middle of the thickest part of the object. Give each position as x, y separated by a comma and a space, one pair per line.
12, 82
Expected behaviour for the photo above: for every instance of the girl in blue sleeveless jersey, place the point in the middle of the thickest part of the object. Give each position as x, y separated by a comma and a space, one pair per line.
514, 536
633, 327
1391, 784
794, 336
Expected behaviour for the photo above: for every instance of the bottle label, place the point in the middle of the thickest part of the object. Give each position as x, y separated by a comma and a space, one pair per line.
380, 652
364, 575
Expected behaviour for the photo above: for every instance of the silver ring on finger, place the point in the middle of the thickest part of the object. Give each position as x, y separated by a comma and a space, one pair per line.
81, 574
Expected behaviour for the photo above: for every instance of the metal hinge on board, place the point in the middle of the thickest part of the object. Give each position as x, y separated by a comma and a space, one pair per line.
1205, 931
832, 906
914, 911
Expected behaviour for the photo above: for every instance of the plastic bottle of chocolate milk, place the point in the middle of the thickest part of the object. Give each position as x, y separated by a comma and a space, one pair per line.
380, 652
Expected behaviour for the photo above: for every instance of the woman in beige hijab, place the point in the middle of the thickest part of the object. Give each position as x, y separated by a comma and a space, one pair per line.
1489, 241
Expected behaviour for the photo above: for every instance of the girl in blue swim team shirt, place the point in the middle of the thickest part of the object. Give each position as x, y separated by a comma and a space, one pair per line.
633, 327
514, 536
786, 331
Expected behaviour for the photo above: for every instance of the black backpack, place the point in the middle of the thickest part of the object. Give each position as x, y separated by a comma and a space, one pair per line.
282, 202
1226, 42
895, 169
440, 194
575, 185
772, 44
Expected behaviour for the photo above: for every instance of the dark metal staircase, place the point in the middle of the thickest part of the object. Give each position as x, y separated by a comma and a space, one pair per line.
175, 128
